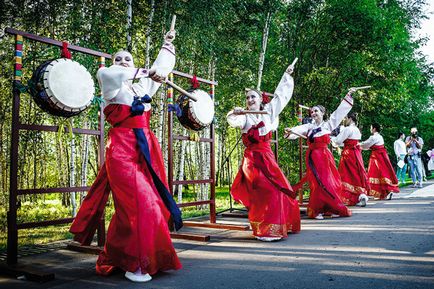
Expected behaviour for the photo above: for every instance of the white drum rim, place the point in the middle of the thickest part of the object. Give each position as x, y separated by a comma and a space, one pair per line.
202, 98
52, 95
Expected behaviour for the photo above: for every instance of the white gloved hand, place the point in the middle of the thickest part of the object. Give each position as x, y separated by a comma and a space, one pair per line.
157, 75
287, 132
170, 36
290, 68
238, 110
351, 92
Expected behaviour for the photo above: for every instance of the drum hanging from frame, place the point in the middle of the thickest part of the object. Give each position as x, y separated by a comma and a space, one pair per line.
196, 115
62, 87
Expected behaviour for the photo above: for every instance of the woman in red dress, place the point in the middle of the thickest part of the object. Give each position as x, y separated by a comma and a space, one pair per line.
260, 185
382, 177
138, 239
323, 177
351, 168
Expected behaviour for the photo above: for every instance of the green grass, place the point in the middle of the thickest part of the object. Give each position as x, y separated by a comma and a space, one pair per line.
52, 209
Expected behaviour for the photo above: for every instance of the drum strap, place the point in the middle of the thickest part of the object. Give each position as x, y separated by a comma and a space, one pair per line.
65, 52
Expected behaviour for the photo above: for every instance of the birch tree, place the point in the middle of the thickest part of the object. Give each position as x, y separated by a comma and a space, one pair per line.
263, 49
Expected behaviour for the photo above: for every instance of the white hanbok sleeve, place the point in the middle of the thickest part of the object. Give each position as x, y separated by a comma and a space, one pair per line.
341, 137
365, 145
300, 129
236, 120
112, 78
282, 95
164, 64
338, 115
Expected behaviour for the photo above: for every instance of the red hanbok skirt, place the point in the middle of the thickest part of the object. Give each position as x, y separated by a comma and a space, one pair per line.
382, 177
324, 180
261, 186
138, 236
352, 171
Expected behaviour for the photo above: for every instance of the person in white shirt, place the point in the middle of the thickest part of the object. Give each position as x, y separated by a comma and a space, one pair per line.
414, 144
400, 150
382, 177
351, 168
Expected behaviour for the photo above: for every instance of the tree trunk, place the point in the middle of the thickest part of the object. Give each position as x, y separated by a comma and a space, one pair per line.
181, 167
72, 176
148, 35
263, 49
84, 160
129, 21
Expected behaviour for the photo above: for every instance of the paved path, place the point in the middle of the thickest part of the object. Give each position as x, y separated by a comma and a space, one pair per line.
388, 244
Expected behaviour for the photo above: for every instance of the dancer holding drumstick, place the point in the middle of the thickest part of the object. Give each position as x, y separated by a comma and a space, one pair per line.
138, 239
260, 185
351, 168
323, 177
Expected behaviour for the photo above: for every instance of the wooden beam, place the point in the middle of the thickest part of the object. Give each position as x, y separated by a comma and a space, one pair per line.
192, 237
29, 273
94, 250
217, 226
56, 42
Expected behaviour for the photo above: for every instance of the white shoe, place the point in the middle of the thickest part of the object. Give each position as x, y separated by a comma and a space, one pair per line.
363, 200
268, 239
138, 276
389, 196
319, 217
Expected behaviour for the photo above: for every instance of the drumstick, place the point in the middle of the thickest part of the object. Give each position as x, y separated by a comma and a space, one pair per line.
181, 90
303, 106
246, 111
294, 62
297, 134
172, 25
361, 87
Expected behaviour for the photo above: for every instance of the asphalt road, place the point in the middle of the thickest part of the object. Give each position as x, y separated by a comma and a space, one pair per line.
388, 244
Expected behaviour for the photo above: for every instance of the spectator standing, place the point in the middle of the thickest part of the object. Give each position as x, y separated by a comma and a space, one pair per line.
400, 151
414, 145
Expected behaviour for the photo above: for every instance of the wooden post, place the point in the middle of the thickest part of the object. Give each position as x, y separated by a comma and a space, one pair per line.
212, 205
12, 243
101, 157
170, 136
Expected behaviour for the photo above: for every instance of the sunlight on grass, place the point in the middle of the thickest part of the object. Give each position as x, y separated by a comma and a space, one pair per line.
52, 208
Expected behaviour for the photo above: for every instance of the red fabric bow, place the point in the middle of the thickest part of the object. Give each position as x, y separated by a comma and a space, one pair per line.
253, 133
65, 52
265, 98
194, 82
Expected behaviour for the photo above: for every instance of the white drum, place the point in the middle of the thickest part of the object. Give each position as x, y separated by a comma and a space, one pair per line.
196, 115
62, 87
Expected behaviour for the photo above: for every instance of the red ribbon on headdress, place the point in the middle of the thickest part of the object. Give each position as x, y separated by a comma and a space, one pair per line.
265, 98
194, 82
65, 52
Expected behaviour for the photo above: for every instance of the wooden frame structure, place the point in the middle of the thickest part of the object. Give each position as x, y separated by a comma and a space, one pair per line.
211, 181
17, 126
301, 146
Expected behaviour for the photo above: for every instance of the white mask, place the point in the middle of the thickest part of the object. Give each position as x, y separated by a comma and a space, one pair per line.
123, 58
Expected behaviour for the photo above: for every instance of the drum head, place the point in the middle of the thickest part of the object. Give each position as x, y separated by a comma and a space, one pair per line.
203, 108
69, 85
